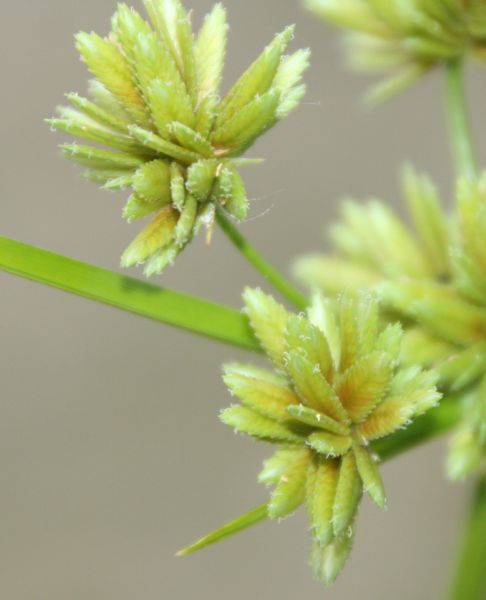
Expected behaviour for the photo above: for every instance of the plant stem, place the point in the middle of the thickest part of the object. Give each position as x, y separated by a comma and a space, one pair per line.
470, 582
266, 269
436, 421
459, 126
166, 306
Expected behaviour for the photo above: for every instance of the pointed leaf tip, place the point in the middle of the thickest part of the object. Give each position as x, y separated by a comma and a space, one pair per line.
252, 517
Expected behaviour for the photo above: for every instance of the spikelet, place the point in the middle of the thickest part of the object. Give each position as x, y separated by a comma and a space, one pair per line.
406, 39
322, 410
155, 104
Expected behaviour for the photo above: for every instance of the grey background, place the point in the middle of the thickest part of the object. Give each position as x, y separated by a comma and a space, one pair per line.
111, 455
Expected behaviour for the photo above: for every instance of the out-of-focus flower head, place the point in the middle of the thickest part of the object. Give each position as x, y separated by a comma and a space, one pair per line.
155, 104
406, 38
432, 277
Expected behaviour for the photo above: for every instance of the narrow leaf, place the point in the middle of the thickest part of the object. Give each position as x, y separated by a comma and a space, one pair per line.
253, 517
159, 304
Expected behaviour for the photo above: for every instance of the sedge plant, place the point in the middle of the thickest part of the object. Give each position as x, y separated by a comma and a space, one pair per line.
386, 349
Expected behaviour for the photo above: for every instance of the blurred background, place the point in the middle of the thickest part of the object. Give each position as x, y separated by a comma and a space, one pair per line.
111, 453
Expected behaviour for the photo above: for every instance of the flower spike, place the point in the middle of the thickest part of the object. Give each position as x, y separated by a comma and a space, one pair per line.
172, 140
322, 408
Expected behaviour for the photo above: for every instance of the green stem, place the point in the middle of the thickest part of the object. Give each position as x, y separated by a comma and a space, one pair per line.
166, 306
470, 582
459, 126
425, 428
266, 269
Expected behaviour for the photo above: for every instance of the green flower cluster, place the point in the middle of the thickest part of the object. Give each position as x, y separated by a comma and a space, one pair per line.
432, 278
155, 104
406, 38
337, 387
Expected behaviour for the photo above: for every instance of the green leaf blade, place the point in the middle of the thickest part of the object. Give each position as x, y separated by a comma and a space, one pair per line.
159, 304
253, 517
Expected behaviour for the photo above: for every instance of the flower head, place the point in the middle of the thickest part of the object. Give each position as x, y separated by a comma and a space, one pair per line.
406, 38
432, 278
336, 388
155, 104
